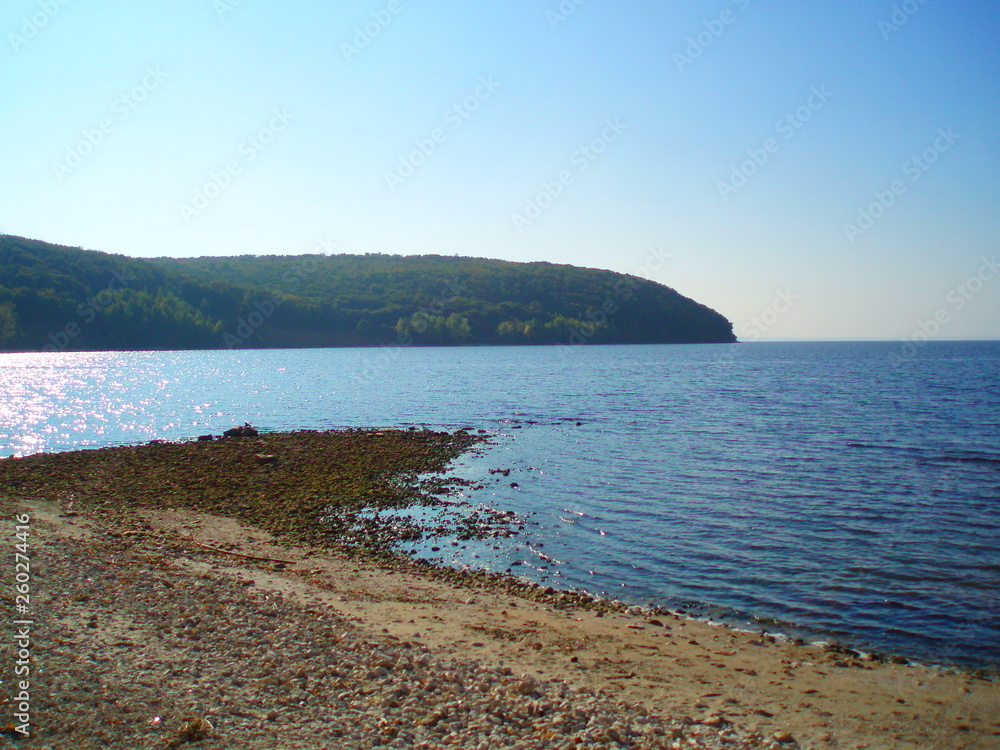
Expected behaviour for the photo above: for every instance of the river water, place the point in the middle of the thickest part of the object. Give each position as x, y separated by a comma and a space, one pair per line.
833, 487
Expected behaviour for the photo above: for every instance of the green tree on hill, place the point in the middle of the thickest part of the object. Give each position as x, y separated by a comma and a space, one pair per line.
57, 297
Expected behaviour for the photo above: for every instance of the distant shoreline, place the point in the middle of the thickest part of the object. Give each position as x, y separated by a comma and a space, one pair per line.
395, 345
71, 299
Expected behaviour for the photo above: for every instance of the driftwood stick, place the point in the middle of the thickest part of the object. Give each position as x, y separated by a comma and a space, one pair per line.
240, 554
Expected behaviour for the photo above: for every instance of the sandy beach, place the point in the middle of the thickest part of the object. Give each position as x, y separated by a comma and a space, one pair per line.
159, 625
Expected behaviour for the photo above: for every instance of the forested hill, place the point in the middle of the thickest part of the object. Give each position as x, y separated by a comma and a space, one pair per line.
59, 298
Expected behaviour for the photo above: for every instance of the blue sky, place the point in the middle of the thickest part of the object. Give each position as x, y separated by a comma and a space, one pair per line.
811, 171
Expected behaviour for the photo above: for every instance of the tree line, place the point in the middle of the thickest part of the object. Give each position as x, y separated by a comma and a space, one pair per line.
59, 298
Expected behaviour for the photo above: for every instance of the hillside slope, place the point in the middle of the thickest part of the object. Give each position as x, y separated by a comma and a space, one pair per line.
59, 298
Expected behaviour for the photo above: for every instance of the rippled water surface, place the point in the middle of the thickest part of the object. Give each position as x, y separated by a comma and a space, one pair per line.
814, 484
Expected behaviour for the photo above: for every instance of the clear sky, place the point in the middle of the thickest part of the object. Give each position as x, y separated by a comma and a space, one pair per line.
810, 170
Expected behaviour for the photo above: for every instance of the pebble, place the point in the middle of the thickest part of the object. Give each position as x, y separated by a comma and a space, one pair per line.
266, 664
525, 686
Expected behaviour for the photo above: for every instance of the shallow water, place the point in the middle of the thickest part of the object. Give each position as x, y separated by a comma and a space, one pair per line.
814, 484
